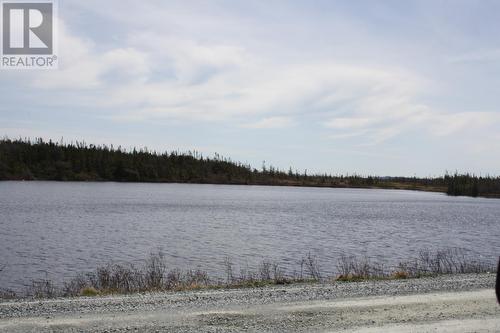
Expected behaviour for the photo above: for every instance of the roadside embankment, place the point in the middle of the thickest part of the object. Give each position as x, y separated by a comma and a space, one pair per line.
449, 303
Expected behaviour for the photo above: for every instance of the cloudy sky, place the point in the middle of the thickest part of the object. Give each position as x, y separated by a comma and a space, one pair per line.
372, 87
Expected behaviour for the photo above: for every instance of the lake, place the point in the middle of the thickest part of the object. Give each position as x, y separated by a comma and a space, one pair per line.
57, 229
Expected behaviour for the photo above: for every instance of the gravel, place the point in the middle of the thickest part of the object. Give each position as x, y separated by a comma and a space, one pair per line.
300, 308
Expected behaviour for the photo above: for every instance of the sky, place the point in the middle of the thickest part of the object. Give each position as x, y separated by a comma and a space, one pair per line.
369, 87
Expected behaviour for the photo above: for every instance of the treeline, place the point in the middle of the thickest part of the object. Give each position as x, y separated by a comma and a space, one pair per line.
473, 186
39, 160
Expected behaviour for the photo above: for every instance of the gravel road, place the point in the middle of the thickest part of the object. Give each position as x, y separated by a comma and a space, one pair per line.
460, 303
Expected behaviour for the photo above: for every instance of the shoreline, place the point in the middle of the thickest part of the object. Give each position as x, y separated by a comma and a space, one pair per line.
396, 187
399, 187
155, 275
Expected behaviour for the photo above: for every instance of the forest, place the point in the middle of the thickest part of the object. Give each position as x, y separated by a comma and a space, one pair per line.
26, 159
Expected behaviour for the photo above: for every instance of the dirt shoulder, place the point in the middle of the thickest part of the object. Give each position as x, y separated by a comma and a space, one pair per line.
460, 303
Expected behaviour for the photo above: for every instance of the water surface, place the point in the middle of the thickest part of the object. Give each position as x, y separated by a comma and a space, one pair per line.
57, 229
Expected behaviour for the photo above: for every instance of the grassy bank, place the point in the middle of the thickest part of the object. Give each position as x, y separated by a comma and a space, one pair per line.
154, 274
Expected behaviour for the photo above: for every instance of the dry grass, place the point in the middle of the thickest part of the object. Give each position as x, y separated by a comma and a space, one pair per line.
154, 274
400, 275
428, 263
89, 291
43, 289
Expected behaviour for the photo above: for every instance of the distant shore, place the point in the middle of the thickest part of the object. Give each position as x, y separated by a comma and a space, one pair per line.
39, 160
386, 186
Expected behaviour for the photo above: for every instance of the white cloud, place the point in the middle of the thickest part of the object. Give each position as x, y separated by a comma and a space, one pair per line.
154, 75
271, 123
350, 123
223, 82
82, 67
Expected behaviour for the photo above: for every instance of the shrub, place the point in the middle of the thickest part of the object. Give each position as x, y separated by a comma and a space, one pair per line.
89, 291
154, 276
43, 289
399, 275
350, 278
